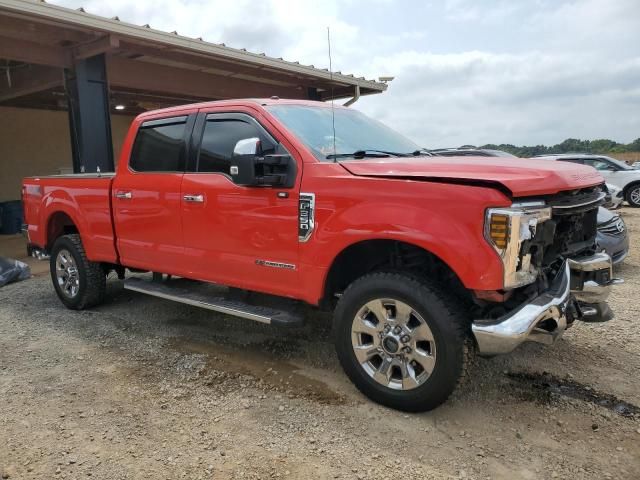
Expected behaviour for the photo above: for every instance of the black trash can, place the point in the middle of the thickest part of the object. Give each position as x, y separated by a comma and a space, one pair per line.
11, 217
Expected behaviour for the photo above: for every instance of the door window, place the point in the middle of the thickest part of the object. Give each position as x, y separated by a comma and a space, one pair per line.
218, 141
159, 146
599, 164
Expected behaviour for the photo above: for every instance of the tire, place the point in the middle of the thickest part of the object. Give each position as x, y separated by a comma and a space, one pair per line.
407, 388
86, 280
633, 195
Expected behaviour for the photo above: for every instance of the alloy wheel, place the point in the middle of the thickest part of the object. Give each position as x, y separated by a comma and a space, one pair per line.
67, 274
393, 344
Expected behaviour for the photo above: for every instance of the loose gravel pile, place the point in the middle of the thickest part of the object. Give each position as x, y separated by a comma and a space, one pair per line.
144, 388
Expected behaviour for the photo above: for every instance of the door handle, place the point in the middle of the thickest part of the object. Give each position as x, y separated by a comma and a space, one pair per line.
123, 195
194, 198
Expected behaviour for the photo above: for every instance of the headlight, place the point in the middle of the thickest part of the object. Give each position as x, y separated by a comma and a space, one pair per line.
506, 229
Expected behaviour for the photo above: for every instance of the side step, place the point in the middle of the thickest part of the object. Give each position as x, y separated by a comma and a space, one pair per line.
268, 315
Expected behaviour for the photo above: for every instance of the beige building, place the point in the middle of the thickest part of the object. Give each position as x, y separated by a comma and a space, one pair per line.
36, 142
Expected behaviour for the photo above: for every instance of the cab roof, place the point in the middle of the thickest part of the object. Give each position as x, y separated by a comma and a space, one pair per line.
251, 102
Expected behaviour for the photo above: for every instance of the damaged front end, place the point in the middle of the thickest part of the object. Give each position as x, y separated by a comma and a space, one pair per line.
553, 273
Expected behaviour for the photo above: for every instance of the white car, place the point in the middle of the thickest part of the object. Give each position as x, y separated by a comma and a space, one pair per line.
614, 171
615, 197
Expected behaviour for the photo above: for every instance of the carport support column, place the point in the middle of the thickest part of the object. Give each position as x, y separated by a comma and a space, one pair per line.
313, 94
87, 92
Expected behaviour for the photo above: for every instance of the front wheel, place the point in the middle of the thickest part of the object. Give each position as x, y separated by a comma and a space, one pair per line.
633, 195
78, 282
400, 341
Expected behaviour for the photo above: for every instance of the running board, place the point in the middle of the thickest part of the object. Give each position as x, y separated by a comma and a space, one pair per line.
270, 316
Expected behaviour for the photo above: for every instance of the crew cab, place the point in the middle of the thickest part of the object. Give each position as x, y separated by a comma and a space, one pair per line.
323, 206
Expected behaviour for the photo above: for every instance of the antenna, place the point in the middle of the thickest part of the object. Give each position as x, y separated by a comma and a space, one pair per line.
333, 113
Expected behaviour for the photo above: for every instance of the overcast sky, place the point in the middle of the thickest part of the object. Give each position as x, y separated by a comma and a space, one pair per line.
466, 71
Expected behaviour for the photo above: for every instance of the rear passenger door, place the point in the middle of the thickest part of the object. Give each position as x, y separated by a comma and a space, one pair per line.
236, 235
146, 196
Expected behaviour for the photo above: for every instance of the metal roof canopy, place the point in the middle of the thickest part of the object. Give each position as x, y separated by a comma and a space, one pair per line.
146, 68
57, 58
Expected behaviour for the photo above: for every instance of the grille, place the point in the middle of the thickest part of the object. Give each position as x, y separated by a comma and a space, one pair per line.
573, 225
577, 200
613, 227
575, 232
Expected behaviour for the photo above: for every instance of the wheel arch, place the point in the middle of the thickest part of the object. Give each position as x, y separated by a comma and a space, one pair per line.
629, 186
59, 223
366, 256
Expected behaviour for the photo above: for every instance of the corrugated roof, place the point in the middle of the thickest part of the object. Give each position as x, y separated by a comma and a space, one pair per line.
114, 25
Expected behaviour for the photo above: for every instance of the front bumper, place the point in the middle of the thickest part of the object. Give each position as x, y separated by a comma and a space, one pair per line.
586, 281
592, 278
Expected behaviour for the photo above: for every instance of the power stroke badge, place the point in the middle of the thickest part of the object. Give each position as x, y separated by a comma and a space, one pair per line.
306, 220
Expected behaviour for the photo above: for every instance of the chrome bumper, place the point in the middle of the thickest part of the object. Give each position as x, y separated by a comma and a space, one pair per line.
544, 319
504, 334
592, 278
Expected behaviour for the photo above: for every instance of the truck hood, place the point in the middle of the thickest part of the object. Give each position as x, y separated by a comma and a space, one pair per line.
523, 177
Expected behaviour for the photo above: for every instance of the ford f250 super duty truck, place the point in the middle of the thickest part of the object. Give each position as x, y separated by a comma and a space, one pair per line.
422, 259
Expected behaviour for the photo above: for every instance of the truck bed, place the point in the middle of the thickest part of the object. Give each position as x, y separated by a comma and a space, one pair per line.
83, 200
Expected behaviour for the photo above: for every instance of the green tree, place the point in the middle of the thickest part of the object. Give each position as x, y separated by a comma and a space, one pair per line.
634, 146
570, 145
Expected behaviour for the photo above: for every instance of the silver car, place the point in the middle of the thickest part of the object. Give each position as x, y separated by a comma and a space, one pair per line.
612, 235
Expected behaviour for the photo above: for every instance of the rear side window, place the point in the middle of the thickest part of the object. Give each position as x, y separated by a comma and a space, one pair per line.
218, 141
160, 146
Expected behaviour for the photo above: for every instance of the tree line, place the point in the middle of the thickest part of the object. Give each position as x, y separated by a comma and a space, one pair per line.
570, 145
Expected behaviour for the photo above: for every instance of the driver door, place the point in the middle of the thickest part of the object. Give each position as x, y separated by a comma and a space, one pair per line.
242, 236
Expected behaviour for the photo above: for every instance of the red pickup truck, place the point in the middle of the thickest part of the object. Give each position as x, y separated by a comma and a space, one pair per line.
423, 259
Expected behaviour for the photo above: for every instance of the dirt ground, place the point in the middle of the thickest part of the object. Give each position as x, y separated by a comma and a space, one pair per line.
144, 388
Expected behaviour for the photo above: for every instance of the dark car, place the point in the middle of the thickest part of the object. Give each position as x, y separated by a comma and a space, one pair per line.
470, 152
612, 235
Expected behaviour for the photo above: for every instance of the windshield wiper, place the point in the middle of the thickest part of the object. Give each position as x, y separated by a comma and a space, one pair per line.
422, 151
367, 154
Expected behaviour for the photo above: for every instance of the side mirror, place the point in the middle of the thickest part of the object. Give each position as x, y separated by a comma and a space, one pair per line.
250, 168
247, 146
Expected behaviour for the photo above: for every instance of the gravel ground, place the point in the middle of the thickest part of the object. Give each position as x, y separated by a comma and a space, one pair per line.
144, 388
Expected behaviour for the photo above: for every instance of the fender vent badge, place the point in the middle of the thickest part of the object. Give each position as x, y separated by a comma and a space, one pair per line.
306, 216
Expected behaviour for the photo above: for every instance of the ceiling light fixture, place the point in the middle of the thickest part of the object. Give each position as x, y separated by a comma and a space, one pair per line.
119, 107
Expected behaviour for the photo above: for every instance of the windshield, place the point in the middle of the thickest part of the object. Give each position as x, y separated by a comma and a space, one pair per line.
619, 163
355, 132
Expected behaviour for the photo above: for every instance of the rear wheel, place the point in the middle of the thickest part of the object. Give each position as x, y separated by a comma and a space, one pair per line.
78, 282
400, 341
633, 195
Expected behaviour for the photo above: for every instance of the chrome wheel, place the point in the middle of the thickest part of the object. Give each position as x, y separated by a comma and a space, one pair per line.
67, 274
634, 196
393, 344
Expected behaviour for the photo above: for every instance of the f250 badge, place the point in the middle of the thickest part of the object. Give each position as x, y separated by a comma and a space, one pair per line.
306, 212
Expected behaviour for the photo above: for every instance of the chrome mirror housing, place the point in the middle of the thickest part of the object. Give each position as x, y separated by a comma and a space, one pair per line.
247, 146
